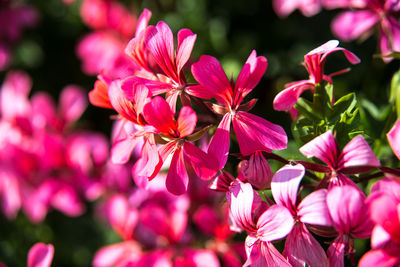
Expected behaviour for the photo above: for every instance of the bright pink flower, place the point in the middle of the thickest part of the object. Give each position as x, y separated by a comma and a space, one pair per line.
197, 258
364, 16
126, 253
350, 218
314, 62
262, 224
253, 133
185, 156
301, 247
308, 7
40, 255
394, 138
384, 209
356, 157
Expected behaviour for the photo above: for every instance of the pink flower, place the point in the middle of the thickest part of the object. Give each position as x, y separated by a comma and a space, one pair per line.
126, 253
301, 247
40, 255
356, 157
394, 138
253, 133
314, 62
256, 171
347, 209
185, 156
364, 16
262, 224
384, 207
308, 7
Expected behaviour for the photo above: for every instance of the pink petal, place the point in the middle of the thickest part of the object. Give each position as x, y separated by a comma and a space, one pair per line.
263, 254
206, 219
159, 114
348, 211
199, 91
120, 103
122, 149
67, 200
160, 43
394, 138
219, 144
379, 237
381, 258
40, 255
177, 179
285, 185
241, 200
275, 223
301, 248
287, 98
203, 164
143, 21
151, 161
209, 73
254, 133
357, 153
122, 217
388, 186
251, 73
198, 258
73, 102
314, 210
10, 195
256, 171
117, 255
186, 121
186, 41
323, 147
350, 25
99, 95
336, 251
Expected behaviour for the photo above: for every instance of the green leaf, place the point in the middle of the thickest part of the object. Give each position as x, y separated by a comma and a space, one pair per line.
395, 92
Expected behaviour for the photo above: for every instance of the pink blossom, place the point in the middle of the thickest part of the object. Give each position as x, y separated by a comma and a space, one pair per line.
307, 7
185, 156
301, 247
256, 171
394, 138
40, 255
347, 208
126, 253
363, 17
355, 157
262, 224
253, 133
314, 62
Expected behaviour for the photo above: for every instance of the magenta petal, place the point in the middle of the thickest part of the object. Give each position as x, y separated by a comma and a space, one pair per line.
350, 25
357, 153
251, 73
285, 185
381, 258
379, 237
203, 164
73, 102
263, 254
347, 208
336, 252
186, 121
219, 144
122, 149
241, 197
119, 101
323, 147
122, 217
198, 258
314, 210
40, 255
177, 178
199, 91
302, 248
394, 138
209, 73
117, 255
186, 41
286, 99
257, 134
206, 219
143, 21
275, 223
159, 114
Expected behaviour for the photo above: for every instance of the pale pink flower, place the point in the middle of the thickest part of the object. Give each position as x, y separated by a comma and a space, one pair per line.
314, 62
307, 7
253, 133
361, 19
394, 138
185, 156
40, 255
301, 247
262, 224
350, 217
355, 157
